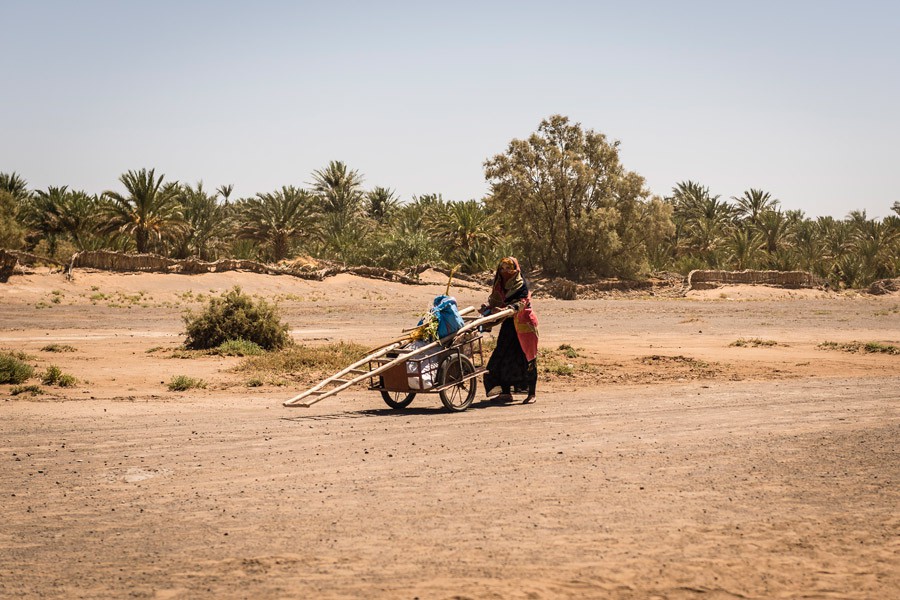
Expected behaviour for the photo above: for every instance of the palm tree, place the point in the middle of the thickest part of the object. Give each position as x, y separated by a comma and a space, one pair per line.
150, 211
78, 218
874, 244
775, 228
278, 220
753, 203
702, 221
15, 185
407, 242
467, 235
744, 247
339, 189
705, 219
43, 215
225, 191
205, 222
381, 204
808, 249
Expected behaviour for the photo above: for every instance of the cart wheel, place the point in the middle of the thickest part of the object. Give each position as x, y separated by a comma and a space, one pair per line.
397, 400
459, 397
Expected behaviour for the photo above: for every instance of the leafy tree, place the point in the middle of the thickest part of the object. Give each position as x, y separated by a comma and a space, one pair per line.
278, 220
658, 240
150, 211
565, 196
12, 234
896, 207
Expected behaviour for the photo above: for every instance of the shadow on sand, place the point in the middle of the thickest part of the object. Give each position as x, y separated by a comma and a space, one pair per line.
410, 411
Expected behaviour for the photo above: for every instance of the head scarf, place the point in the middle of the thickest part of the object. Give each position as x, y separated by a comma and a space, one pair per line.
501, 290
525, 320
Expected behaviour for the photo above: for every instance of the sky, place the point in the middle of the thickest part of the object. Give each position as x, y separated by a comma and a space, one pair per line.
797, 98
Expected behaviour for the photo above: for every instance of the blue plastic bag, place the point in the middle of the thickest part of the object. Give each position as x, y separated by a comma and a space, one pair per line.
449, 320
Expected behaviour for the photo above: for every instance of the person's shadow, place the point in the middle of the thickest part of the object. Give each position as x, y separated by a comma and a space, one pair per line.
409, 411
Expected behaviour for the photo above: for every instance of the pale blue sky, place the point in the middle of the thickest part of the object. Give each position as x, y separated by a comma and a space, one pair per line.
797, 98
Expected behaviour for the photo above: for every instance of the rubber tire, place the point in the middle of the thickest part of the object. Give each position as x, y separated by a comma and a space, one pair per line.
459, 397
396, 400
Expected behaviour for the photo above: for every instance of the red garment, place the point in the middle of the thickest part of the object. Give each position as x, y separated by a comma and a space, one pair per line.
525, 319
526, 323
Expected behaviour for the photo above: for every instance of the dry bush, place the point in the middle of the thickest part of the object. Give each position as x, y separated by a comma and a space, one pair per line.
235, 316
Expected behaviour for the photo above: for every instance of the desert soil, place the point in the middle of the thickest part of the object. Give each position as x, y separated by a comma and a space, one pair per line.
669, 464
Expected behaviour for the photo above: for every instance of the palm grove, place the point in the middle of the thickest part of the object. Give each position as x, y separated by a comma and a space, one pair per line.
560, 200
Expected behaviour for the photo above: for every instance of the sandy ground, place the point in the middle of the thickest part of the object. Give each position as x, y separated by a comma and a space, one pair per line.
671, 464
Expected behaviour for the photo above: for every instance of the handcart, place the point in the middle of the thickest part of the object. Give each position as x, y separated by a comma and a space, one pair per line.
400, 369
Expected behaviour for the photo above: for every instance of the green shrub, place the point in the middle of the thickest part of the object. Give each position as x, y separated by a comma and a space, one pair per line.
66, 380
239, 348
52, 375
13, 370
181, 383
568, 351
235, 316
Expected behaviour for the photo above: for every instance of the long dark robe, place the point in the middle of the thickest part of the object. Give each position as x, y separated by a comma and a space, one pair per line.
508, 367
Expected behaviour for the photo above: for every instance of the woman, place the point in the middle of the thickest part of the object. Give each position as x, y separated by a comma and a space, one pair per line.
512, 366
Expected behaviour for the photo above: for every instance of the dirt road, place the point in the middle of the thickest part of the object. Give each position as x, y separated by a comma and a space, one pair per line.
728, 482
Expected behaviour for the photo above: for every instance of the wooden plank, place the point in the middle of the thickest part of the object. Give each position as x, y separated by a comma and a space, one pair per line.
376, 355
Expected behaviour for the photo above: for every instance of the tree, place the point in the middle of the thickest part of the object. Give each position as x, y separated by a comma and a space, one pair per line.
702, 221
339, 189
12, 234
744, 247
205, 222
570, 204
15, 185
752, 203
775, 227
278, 220
225, 191
381, 203
468, 235
43, 214
874, 246
150, 211
406, 242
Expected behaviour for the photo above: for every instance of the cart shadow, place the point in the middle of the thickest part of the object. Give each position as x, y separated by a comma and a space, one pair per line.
417, 411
